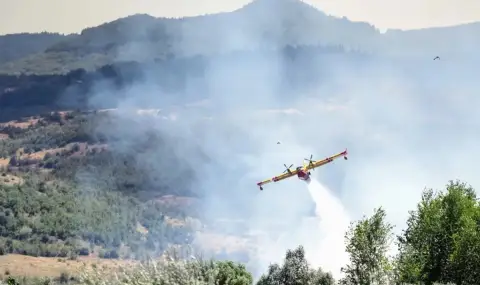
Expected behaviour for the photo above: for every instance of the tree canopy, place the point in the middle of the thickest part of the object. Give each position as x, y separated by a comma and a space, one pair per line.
442, 240
367, 243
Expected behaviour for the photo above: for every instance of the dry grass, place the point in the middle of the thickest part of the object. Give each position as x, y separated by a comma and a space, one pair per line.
100, 271
164, 271
41, 154
174, 222
21, 124
9, 179
84, 148
21, 265
4, 161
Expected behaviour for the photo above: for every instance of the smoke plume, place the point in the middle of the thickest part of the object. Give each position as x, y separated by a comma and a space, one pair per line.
407, 123
328, 251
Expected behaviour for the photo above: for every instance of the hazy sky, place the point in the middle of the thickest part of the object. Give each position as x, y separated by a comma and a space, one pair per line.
72, 16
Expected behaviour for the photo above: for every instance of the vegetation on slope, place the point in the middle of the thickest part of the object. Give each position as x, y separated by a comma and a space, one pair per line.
67, 189
17, 46
439, 246
143, 38
262, 23
52, 211
50, 207
48, 214
30, 95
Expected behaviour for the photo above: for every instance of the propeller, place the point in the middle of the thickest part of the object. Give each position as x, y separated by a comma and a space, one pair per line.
287, 168
310, 160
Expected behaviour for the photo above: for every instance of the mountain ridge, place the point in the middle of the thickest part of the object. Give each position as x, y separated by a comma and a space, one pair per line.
270, 24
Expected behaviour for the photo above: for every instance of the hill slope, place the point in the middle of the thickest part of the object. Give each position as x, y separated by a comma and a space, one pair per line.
16, 46
52, 203
446, 41
260, 24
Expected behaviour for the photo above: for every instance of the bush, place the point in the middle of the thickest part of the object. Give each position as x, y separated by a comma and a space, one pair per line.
170, 271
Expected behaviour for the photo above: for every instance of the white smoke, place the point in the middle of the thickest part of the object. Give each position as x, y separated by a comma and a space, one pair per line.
322, 236
410, 123
332, 221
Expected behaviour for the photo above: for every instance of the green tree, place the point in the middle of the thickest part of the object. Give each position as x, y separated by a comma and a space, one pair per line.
295, 271
441, 242
367, 243
466, 255
231, 273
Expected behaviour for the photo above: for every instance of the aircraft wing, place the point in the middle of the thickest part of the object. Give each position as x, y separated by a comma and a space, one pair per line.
319, 163
278, 178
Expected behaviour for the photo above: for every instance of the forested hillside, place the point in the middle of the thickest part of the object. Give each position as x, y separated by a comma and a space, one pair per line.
17, 46
56, 202
262, 24
143, 38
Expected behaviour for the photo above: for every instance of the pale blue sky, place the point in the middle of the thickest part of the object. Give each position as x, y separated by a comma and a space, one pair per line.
72, 16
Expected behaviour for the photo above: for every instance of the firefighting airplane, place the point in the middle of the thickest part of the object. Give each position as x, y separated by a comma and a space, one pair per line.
303, 172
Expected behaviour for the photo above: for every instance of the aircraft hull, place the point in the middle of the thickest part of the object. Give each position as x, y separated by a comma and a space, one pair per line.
304, 176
